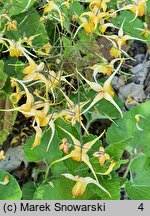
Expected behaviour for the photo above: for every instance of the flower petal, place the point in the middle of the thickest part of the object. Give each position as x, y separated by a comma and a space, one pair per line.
69, 176
87, 146
69, 102
113, 163
77, 144
93, 181
52, 126
61, 159
85, 159
110, 99
94, 85
97, 98
108, 81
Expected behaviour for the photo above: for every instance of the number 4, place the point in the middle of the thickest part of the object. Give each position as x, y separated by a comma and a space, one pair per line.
141, 207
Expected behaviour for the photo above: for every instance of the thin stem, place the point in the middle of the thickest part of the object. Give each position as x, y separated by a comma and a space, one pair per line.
128, 168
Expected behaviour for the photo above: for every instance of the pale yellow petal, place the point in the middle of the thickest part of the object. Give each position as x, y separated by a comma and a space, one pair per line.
85, 159
94, 85
69, 102
87, 146
52, 126
108, 81
113, 163
38, 136
93, 181
77, 144
111, 100
61, 159
97, 98
71, 177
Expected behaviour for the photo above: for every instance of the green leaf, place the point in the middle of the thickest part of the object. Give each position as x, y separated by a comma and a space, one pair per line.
139, 186
29, 25
3, 76
28, 190
10, 191
68, 48
14, 68
61, 190
126, 128
112, 185
115, 150
129, 27
74, 130
16, 7
39, 152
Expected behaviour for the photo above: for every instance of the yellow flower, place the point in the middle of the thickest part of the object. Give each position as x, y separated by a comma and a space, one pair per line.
46, 48
38, 111
16, 96
104, 4
12, 25
145, 31
5, 180
81, 184
29, 40
65, 145
73, 114
32, 70
80, 152
138, 7
105, 91
2, 155
95, 5
89, 22
121, 39
103, 26
50, 6
53, 81
38, 136
15, 48
102, 156
105, 68
112, 164
137, 119
115, 52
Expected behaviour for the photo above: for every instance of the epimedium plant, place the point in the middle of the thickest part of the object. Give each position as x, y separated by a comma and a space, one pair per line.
50, 73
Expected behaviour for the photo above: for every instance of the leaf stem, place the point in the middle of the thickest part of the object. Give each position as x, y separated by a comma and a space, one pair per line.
128, 168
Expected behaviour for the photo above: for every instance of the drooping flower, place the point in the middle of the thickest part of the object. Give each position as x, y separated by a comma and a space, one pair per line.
137, 119
121, 39
111, 166
38, 111
145, 32
81, 184
96, 5
73, 113
12, 25
65, 145
106, 68
79, 153
51, 6
138, 7
89, 21
102, 156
